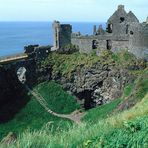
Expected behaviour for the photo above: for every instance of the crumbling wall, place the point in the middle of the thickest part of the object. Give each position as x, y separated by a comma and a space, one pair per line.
101, 44
84, 44
123, 31
138, 41
119, 45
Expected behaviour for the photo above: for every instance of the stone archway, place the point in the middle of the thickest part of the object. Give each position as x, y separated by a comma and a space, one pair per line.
21, 74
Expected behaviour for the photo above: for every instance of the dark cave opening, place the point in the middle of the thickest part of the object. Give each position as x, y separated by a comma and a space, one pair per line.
87, 96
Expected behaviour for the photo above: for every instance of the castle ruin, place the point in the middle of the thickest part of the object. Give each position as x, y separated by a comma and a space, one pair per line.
123, 31
61, 35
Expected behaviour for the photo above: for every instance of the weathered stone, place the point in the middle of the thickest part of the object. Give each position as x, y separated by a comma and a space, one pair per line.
123, 32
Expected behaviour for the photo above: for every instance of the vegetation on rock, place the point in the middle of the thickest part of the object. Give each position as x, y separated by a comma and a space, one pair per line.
120, 123
67, 63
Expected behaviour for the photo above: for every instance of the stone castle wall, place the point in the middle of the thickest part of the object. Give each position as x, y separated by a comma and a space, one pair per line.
123, 31
85, 43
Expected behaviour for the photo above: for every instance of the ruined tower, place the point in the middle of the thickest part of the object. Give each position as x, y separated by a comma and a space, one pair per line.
61, 35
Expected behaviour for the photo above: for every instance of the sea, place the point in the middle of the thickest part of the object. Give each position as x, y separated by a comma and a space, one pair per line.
15, 35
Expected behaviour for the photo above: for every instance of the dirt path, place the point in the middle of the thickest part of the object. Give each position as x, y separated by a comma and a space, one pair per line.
75, 116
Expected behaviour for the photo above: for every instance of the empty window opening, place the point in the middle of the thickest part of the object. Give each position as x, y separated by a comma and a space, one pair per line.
122, 19
131, 32
127, 26
94, 44
110, 28
108, 44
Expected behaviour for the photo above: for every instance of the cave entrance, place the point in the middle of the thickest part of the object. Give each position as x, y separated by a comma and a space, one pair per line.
88, 101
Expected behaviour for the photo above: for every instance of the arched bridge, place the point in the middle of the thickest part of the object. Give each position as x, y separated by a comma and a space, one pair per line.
23, 66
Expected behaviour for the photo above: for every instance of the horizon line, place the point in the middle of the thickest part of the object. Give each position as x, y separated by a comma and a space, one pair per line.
53, 21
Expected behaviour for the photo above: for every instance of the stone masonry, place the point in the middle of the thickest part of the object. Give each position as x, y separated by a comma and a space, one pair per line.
123, 31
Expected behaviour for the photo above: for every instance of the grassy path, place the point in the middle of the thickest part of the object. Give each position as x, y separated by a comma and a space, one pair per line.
75, 116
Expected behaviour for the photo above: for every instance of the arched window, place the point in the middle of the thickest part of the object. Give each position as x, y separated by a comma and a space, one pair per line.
122, 19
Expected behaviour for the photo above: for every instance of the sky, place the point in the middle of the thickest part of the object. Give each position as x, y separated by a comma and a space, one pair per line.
68, 10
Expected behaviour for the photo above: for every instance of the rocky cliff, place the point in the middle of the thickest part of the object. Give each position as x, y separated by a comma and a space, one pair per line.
94, 80
98, 84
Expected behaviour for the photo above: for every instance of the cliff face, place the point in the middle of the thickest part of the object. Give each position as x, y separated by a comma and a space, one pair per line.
94, 80
12, 94
96, 85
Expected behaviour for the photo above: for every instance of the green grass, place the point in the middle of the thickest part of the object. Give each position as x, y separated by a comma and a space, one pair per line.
122, 129
129, 127
127, 59
133, 133
100, 112
58, 100
134, 92
65, 64
34, 117
127, 90
141, 85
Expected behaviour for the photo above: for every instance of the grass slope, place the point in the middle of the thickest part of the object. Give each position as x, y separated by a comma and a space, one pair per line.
123, 129
135, 91
128, 128
34, 117
100, 112
58, 100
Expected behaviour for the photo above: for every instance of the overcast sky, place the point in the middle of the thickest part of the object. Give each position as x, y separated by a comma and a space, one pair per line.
68, 10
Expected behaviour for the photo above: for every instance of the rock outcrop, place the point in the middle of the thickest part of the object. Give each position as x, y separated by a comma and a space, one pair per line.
97, 85
93, 85
94, 80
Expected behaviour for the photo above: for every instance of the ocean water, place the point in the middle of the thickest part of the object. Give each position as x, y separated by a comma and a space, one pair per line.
15, 35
